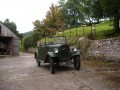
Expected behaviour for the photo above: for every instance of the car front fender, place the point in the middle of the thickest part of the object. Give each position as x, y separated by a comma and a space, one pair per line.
76, 53
52, 54
36, 54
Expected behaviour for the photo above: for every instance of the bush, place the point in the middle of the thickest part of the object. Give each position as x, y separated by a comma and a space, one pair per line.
30, 41
27, 42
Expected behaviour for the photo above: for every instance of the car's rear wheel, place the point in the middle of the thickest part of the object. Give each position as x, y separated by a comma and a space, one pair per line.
77, 62
38, 63
52, 66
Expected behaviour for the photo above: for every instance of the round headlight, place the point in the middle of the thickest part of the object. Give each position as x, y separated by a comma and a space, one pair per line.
56, 50
75, 49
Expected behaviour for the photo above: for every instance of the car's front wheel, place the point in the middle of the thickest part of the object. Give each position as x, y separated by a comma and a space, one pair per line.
77, 62
52, 66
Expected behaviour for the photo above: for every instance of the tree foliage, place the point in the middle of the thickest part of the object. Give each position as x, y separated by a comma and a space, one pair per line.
86, 8
111, 8
39, 28
97, 11
75, 11
30, 41
52, 23
71, 12
27, 42
12, 26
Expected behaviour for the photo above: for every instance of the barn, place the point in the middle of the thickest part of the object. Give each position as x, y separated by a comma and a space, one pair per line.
9, 42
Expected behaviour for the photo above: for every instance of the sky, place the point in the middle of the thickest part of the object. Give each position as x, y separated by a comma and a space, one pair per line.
24, 12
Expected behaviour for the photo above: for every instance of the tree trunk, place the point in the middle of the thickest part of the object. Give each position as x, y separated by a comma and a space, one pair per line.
116, 23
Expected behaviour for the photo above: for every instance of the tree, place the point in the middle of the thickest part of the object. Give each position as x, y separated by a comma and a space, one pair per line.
39, 28
52, 23
97, 11
112, 8
86, 9
35, 37
54, 20
27, 42
30, 41
71, 12
12, 26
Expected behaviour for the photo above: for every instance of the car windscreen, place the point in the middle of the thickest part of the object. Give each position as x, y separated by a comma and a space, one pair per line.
56, 40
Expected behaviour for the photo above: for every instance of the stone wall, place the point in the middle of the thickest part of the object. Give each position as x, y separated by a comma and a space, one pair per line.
107, 49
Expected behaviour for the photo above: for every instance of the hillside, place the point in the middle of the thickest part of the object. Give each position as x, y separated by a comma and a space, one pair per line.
103, 30
27, 33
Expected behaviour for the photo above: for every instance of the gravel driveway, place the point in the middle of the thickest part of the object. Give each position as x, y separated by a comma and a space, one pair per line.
22, 73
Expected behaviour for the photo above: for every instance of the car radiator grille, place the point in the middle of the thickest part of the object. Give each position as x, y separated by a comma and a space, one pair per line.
65, 52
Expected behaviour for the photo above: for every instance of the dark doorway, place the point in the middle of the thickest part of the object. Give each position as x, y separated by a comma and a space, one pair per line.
5, 45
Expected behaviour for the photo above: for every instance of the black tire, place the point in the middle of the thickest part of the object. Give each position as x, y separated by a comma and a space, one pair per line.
38, 63
52, 66
77, 62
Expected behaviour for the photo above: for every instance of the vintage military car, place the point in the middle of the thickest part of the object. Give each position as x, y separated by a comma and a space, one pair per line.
56, 51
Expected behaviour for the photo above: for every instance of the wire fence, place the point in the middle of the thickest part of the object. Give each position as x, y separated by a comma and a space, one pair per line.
78, 32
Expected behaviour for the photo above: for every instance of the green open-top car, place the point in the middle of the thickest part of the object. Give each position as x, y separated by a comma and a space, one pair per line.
56, 51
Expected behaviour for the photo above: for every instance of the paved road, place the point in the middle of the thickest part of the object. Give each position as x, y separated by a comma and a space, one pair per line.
21, 73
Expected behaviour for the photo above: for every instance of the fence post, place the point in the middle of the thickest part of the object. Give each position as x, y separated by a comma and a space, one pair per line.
70, 32
76, 31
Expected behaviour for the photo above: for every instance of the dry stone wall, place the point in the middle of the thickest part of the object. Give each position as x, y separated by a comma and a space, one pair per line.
107, 49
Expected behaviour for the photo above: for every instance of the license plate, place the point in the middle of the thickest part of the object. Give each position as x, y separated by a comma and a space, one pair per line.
66, 63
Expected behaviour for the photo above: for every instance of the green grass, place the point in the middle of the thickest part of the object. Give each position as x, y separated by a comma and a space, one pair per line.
102, 30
